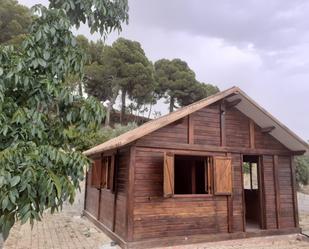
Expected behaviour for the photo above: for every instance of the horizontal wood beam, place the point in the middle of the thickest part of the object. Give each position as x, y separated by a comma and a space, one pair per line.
299, 152
232, 103
268, 129
209, 148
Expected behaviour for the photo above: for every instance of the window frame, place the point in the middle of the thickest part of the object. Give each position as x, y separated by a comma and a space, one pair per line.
210, 175
107, 171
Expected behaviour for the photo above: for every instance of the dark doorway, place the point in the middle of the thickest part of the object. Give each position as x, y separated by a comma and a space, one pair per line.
252, 192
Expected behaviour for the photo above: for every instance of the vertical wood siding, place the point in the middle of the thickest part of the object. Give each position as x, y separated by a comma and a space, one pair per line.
92, 200
270, 198
107, 198
237, 194
285, 192
121, 208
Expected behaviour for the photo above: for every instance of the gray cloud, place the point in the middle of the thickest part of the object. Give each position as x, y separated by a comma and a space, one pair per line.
261, 46
245, 21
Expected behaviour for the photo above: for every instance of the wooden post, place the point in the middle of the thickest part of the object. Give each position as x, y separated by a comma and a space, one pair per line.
230, 200
130, 194
294, 188
222, 124
230, 213
250, 167
252, 135
243, 194
277, 190
261, 186
115, 189
100, 189
86, 187
190, 129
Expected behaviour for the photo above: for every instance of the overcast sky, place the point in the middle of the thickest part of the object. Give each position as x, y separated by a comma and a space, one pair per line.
260, 46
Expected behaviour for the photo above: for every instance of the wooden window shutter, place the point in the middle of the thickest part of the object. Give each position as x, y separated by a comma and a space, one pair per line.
168, 172
223, 176
96, 173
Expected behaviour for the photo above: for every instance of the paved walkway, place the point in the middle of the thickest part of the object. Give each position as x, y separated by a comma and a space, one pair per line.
67, 230
58, 231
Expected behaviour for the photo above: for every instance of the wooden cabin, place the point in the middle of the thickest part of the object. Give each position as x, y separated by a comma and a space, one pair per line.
220, 168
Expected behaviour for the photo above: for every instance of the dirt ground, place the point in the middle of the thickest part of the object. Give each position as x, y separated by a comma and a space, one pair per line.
67, 230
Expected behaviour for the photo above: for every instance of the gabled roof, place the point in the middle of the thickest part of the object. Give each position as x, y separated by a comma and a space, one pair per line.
247, 106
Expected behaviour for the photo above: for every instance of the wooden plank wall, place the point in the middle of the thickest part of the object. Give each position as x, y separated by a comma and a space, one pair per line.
176, 132
206, 124
121, 202
156, 216
285, 192
237, 129
238, 207
106, 213
266, 141
92, 199
270, 196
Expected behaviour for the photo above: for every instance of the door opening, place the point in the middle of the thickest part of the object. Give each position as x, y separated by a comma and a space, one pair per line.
252, 192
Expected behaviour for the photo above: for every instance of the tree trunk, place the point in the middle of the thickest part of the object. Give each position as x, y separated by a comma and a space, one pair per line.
172, 103
108, 113
80, 88
110, 106
123, 106
150, 110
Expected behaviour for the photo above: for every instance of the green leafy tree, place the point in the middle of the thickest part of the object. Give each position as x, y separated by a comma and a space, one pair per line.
302, 170
15, 20
124, 69
177, 84
102, 83
41, 122
174, 79
196, 91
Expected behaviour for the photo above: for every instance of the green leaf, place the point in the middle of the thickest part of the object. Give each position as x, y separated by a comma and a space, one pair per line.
38, 35
12, 197
1, 71
46, 55
8, 223
42, 62
56, 182
2, 181
5, 202
14, 181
